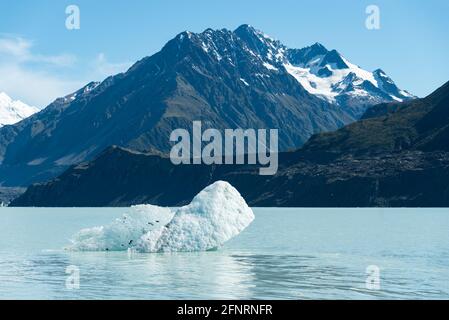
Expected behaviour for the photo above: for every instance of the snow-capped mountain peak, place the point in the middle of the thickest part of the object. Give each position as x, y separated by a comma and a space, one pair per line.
261, 44
246, 31
329, 75
324, 73
13, 111
386, 84
81, 92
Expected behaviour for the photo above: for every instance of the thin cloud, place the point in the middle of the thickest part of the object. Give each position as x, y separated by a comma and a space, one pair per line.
38, 79
36, 88
25, 76
104, 68
20, 50
15, 47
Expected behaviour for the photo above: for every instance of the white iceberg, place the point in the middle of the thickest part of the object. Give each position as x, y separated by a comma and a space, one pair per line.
215, 215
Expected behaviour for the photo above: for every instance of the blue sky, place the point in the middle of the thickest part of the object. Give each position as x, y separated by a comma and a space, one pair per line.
40, 59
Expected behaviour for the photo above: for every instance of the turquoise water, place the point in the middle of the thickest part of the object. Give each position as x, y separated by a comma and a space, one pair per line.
284, 254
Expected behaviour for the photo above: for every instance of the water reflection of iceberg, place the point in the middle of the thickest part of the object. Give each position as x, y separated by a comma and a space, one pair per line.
215, 215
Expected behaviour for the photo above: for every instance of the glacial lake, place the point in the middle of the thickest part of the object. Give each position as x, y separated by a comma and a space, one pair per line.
285, 254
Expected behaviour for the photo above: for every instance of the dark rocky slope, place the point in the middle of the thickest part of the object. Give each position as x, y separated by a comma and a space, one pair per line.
121, 178
398, 159
219, 77
226, 79
421, 124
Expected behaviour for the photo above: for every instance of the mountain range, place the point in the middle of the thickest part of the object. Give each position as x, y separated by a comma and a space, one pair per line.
397, 156
226, 79
13, 111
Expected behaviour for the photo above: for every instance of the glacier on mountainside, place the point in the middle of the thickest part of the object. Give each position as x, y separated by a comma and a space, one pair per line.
215, 215
13, 111
324, 73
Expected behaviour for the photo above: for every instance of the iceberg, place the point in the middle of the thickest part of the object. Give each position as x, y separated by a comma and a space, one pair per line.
216, 215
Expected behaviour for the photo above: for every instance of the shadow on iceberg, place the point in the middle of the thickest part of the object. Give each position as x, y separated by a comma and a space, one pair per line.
215, 215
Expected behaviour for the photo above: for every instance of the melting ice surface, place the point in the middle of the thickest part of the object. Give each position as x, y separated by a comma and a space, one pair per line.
215, 215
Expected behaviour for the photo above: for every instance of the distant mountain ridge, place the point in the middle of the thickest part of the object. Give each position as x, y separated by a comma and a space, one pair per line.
422, 124
398, 159
329, 75
13, 111
326, 73
226, 79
